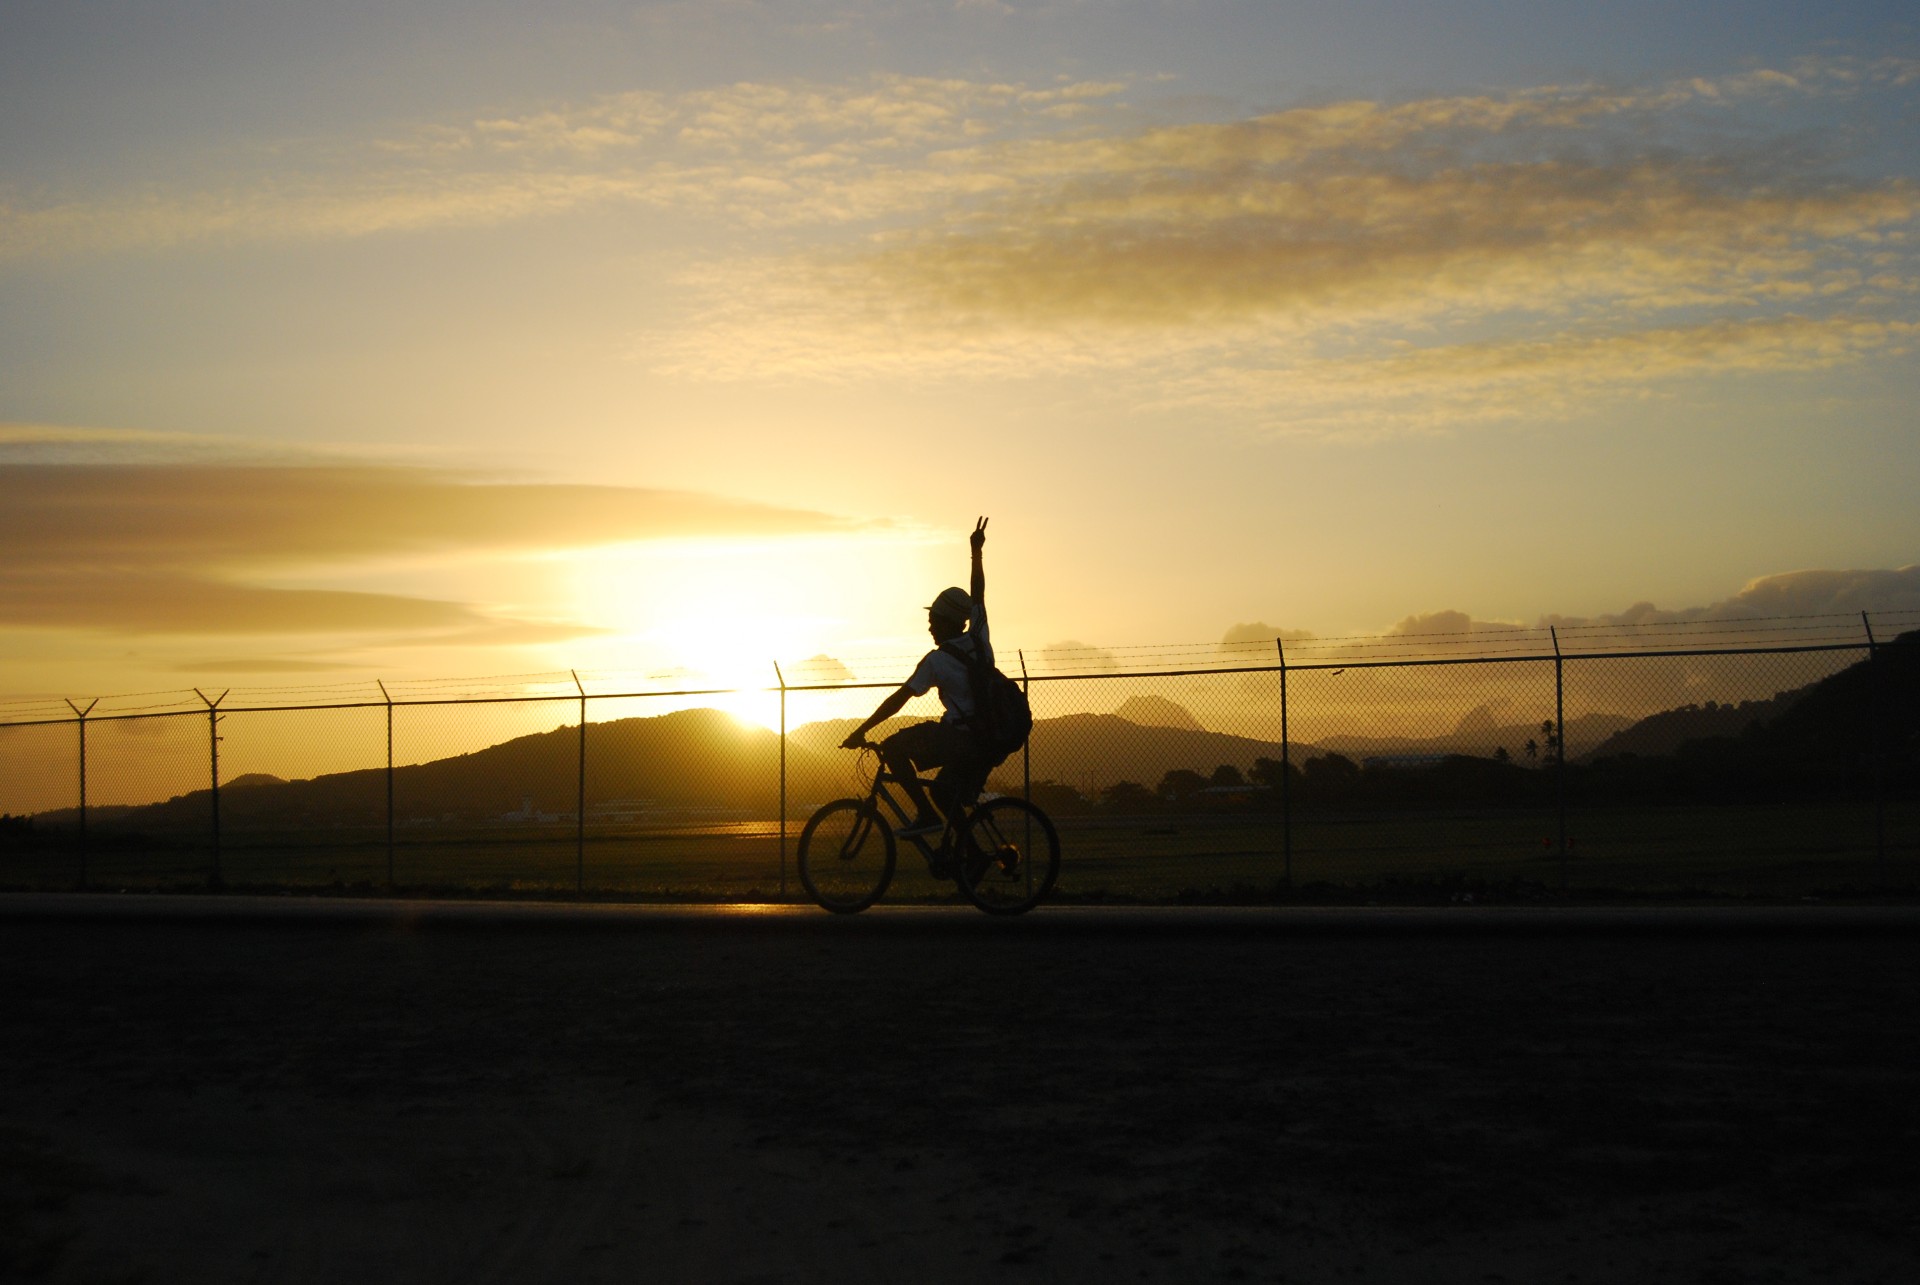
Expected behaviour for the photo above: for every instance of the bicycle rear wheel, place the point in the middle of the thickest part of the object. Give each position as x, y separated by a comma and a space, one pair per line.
1010, 857
846, 856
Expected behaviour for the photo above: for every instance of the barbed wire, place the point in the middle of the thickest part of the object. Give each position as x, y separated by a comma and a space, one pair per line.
1711, 627
1491, 642
551, 676
184, 701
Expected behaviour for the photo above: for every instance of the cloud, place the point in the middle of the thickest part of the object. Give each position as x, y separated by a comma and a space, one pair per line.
1070, 655
61, 516
1795, 607
1444, 624
183, 548
1786, 595
1256, 643
753, 154
1816, 606
1345, 268
1333, 265
820, 669
155, 601
30, 441
1221, 245
22, 443
1555, 373
1258, 632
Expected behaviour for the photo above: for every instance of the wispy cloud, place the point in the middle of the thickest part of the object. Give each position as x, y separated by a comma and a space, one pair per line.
1324, 266
1344, 267
1556, 373
755, 155
159, 602
193, 548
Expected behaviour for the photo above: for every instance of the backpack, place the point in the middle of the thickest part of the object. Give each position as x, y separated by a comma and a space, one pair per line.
1001, 715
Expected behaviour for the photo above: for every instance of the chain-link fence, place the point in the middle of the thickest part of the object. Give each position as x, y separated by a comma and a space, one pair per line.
1502, 764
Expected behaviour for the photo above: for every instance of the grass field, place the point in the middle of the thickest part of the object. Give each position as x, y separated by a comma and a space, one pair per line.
1779, 852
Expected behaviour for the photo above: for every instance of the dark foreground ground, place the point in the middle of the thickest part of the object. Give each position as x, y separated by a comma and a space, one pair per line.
1147, 1097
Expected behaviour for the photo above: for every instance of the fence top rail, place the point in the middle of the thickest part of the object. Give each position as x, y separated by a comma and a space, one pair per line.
1569, 657
1478, 641
1087, 676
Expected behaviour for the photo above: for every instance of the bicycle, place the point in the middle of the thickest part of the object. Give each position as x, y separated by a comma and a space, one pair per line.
1004, 852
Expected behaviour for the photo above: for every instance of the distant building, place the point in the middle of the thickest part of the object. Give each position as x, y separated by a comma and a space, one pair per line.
528, 815
1405, 762
617, 811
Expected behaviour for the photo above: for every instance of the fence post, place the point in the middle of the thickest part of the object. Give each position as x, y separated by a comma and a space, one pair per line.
1286, 772
81, 717
1560, 751
1026, 764
782, 680
213, 759
384, 695
1876, 720
580, 798
1026, 746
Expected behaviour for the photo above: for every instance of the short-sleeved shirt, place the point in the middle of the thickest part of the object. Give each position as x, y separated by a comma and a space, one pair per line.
943, 671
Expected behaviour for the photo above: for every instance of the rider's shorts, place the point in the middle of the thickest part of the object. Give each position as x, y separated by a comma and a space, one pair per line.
952, 749
933, 744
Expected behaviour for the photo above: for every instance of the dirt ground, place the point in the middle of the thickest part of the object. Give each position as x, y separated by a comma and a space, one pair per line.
951, 1099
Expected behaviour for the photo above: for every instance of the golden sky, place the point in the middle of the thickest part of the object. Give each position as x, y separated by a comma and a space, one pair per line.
413, 342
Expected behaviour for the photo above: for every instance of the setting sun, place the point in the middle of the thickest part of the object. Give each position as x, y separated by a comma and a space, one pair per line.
723, 612
679, 365
493, 494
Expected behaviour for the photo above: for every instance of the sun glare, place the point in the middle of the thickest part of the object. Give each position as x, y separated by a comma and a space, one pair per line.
722, 613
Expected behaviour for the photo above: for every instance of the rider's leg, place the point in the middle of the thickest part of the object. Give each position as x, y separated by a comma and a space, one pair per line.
957, 785
926, 816
904, 753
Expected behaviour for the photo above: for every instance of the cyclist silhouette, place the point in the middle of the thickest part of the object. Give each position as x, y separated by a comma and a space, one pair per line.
957, 619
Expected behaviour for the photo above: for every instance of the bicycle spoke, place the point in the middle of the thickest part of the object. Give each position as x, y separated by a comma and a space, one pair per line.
1010, 861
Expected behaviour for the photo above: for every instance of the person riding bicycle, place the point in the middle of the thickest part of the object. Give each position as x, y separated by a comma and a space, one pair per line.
957, 619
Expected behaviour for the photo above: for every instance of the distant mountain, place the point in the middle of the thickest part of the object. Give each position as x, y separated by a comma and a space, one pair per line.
825, 736
1833, 720
1157, 711
1839, 721
688, 762
1479, 734
1667, 731
692, 763
1098, 750
1850, 734
703, 763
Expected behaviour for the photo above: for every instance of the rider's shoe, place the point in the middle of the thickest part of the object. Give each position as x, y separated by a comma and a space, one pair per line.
924, 824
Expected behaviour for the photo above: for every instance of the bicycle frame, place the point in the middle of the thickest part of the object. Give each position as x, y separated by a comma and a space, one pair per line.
879, 794
988, 847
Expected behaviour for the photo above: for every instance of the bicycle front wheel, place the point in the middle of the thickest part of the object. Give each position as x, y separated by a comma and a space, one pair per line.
1010, 857
846, 856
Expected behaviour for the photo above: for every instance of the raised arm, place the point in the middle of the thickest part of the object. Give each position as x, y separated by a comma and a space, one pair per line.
977, 588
